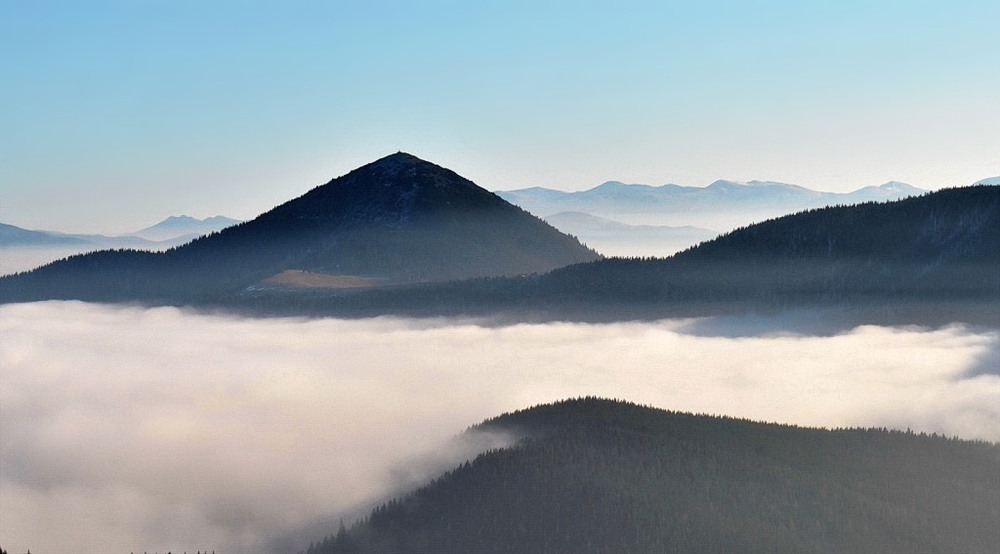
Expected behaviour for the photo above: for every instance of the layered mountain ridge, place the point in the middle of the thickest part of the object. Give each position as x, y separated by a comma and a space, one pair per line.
184, 226
938, 253
722, 205
406, 237
396, 220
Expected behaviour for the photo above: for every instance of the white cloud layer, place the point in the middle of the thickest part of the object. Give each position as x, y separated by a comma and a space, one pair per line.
127, 429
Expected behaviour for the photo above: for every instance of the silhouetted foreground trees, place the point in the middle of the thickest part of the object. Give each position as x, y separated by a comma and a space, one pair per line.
596, 475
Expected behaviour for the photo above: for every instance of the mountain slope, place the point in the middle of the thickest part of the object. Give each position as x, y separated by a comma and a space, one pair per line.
397, 220
940, 247
595, 475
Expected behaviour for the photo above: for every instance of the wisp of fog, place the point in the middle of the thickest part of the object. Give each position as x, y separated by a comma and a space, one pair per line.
127, 429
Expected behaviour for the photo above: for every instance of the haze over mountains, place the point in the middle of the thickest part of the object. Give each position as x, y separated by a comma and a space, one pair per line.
399, 235
644, 220
614, 238
397, 220
174, 230
721, 206
404, 237
23, 249
943, 247
183, 226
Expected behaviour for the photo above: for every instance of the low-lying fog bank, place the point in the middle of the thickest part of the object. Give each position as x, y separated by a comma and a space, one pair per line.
128, 429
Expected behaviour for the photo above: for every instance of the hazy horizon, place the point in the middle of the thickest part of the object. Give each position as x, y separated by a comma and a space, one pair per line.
104, 228
123, 113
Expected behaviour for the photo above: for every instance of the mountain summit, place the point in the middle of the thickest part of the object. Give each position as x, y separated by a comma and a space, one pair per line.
403, 219
397, 220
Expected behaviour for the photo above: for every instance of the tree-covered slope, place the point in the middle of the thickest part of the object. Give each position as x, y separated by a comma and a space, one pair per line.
595, 475
943, 247
397, 220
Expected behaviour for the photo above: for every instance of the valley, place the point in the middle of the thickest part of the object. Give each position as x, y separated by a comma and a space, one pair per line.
328, 353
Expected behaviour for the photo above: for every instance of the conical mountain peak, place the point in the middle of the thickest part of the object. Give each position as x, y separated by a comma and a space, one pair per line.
396, 162
406, 169
396, 220
392, 191
412, 219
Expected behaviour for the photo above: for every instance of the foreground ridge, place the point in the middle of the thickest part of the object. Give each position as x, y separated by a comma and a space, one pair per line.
395, 221
595, 475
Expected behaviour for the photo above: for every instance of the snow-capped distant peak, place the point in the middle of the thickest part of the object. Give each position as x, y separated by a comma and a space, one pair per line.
988, 181
618, 187
756, 183
725, 184
897, 186
613, 185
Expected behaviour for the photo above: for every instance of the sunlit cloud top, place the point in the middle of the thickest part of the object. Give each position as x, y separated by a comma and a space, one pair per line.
129, 429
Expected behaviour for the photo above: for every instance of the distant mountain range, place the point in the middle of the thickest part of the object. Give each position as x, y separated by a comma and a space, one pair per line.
397, 220
614, 238
721, 206
23, 249
172, 231
404, 236
183, 227
939, 248
593, 475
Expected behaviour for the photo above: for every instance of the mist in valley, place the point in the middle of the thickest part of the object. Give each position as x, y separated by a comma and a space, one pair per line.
131, 429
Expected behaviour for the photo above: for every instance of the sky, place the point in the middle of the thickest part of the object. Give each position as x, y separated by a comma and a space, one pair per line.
155, 430
116, 115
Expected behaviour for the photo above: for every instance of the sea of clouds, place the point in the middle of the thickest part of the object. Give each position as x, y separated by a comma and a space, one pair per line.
125, 429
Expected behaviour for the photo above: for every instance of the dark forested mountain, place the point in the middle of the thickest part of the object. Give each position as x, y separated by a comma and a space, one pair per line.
397, 220
404, 223
592, 475
943, 244
940, 247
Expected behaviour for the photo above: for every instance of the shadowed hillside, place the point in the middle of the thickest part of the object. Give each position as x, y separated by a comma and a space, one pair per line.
397, 220
941, 245
595, 475
940, 248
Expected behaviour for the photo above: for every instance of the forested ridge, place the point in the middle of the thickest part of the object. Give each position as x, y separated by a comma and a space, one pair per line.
940, 248
594, 475
397, 220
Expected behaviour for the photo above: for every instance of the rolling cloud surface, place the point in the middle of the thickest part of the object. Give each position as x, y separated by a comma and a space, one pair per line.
141, 430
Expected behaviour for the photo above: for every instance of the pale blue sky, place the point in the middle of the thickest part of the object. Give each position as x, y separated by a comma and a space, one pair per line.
118, 114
